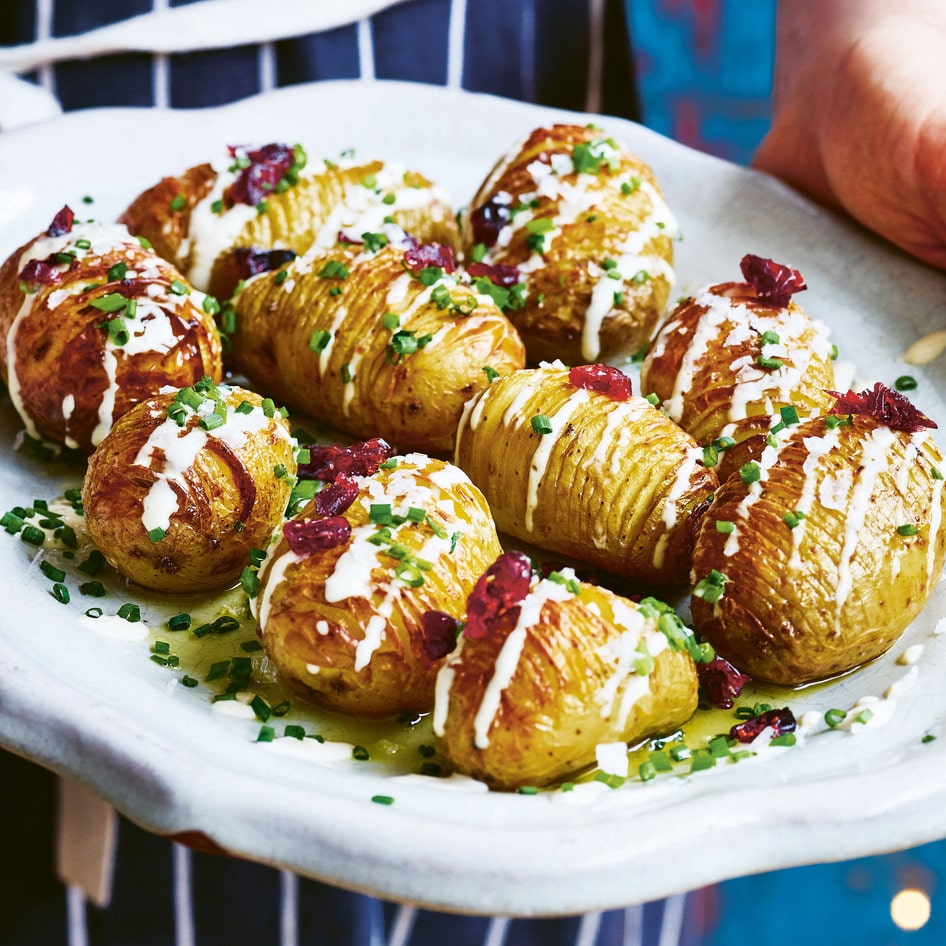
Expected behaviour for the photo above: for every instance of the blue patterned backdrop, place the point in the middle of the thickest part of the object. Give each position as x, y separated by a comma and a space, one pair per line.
705, 70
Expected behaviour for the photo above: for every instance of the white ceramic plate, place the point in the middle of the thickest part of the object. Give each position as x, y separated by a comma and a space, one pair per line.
96, 708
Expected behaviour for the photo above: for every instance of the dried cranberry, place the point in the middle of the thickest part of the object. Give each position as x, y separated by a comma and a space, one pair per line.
721, 681
602, 378
62, 223
38, 272
781, 720
439, 634
334, 499
488, 219
773, 282
429, 254
259, 178
360, 459
306, 536
499, 591
499, 274
885, 405
248, 262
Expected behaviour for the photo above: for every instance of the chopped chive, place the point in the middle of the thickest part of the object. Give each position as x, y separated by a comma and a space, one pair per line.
33, 536
61, 593
94, 612
725, 527
834, 717
251, 646
260, 708
179, 202
527, 790
792, 519
51, 571
750, 472
360, 753
905, 383
266, 734
157, 534
92, 589
770, 364
180, 622
179, 288
908, 529
188, 681
382, 799
785, 739
130, 612
541, 424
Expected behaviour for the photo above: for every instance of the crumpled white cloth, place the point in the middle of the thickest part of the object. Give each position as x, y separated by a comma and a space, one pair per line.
23, 103
210, 24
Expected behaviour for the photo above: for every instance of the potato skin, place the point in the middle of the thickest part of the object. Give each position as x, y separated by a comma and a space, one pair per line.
569, 663
607, 222
342, 626
68, 379
704, 367
225, 501
616, 484
806, 603
413, 401
330, 196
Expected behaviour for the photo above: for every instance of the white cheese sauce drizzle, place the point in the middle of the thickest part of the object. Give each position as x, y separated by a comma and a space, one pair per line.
546, 443
874, 461
507, 661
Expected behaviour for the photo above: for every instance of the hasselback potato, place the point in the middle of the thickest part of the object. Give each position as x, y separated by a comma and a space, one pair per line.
602, 477
583, 223
92, 322
377, 338
728, 359
187, 483
816, 557
547, 669
343, 594
210, 219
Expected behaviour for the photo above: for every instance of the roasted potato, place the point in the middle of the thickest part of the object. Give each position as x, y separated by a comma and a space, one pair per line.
187, 483
726, 362
272, 199
610, 482
557, 668
93, 323
374, 339
585, 226
343, 617
819, 554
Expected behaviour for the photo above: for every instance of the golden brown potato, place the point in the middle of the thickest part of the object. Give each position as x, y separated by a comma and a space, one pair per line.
826, 554
553, 674
374, 342
186, 484
610, 482
346, 622
92, 323
585, 224
726, 362
272, 198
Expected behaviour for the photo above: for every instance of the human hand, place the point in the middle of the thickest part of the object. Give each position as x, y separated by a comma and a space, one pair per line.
860, 116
